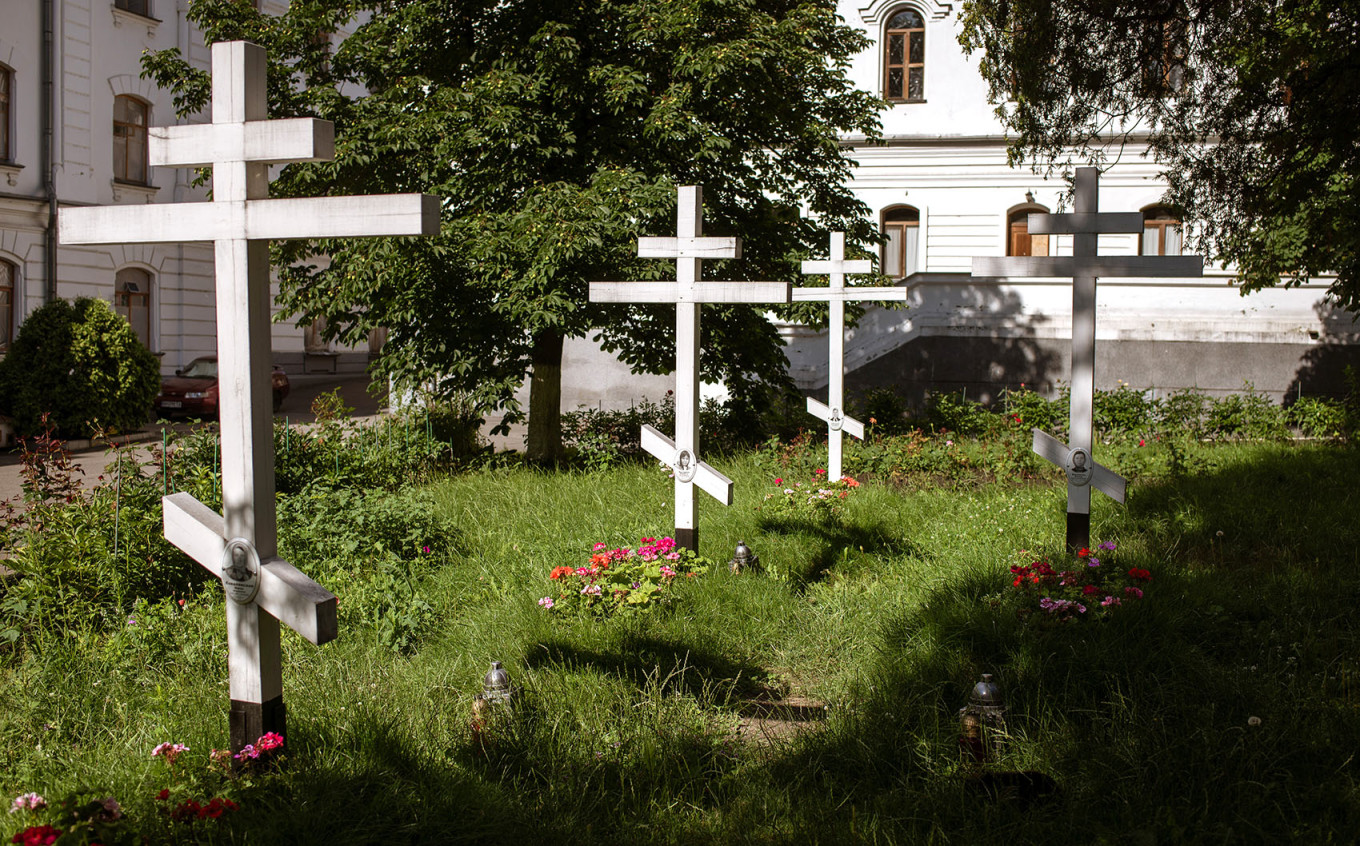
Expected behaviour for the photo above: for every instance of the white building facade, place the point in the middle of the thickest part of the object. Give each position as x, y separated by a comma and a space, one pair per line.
942, 190
89, 148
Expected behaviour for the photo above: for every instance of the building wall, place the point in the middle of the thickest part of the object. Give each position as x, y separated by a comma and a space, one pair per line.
98, 53
946, 157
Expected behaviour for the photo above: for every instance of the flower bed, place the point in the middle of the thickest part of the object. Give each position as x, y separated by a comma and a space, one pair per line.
1090, 586
622, 579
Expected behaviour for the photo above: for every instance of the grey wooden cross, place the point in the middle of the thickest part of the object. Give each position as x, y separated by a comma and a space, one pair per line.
240, 545
1084, 266
689, 248
836, 295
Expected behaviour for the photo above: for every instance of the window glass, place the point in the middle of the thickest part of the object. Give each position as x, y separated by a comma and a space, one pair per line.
1018, 241
1161, 232
132, 299
129, 139
7, 275
902, 226
6, 112
904, 41
141, 7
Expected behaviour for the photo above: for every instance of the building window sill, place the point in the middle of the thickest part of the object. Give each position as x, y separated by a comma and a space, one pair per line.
123, 16
904, 102
133, 192
10, 172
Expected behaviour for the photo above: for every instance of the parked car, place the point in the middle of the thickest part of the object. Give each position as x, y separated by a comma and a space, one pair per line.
192, 391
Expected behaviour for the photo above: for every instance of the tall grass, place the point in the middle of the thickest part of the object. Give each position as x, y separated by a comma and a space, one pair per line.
639, 729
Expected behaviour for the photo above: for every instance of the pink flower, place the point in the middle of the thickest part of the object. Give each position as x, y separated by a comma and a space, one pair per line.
169, 751
1133, 591
269, 740
591, 590
597, 547
667, 572
28, 802
546, 602
425, 549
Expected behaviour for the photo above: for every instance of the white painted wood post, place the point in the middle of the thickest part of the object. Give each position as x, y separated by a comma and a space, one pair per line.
240, 145
835, 295
688, 248
1084, 266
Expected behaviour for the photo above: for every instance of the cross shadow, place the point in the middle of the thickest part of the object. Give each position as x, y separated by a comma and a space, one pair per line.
834, 542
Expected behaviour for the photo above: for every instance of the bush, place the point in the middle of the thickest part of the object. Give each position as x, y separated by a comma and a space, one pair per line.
956, 413
1317, 417
1248, 415
1031, 410
1124, 411
81, 364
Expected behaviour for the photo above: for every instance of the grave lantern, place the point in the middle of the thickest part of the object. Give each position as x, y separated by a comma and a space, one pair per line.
496, 687
744, 559
982, 722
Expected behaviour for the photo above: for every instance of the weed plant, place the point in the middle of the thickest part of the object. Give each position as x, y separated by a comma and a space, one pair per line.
1223, 707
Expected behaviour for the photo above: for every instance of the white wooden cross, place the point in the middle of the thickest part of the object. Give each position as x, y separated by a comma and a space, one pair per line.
240, 545
689, 248
836, 295
1084, 266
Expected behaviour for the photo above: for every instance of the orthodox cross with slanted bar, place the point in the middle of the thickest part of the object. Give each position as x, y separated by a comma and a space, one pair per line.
240, 545
1084, 267
689, 248
836, 294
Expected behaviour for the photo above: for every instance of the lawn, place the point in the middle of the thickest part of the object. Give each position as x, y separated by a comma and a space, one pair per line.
816, 702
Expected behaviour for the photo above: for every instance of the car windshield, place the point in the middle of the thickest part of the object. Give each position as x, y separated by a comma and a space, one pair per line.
201, 368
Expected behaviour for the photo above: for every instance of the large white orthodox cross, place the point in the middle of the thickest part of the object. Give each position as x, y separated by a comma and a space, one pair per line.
836, 295
689, 248
1084, 266
240, 546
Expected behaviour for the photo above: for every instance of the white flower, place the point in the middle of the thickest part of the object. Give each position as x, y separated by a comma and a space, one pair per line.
1253, 721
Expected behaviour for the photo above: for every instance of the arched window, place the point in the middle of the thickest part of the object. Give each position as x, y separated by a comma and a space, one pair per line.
1018, 240
904, 56
902, 226
8, 274
6, 114
1161, 232
130, 117
132, 299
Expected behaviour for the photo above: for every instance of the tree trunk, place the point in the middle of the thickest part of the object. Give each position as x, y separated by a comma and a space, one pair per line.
545, 399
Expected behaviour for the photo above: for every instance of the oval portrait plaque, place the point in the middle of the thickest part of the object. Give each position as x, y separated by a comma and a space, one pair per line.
240, 571
836, 419
1078, 466
685, 465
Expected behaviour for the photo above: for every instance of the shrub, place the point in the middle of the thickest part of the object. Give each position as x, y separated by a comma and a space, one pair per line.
81, 364
956, 413
882, 411
1031, 410
1317, 417
1124, 411
1247, 415
1184, 412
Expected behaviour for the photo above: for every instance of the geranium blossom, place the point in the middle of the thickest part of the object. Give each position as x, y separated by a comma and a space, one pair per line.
169, 751
28, 802
37, 835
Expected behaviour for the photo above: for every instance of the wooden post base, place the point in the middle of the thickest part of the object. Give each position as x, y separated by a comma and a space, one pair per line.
688, 538
251, 720
1078, 531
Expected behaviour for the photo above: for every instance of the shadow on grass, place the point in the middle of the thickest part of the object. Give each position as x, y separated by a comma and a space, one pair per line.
698, 671
833, 541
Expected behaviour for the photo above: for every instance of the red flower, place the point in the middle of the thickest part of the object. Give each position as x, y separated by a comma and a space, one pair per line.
186, 810
1089, 589
779, 481
1140, 574
559, 572
37, 835
163, 795
1083, 553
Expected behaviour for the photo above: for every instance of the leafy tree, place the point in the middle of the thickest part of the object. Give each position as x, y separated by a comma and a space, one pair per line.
556, 132
1251, 106
80, 363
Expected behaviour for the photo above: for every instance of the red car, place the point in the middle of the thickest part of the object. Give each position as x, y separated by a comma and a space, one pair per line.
192, 391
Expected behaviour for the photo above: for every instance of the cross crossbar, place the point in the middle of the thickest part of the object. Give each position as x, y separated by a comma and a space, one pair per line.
1056, 452
285, 592
845, 422
689, 247
698, 292
267, 141
1098, 266
253, 220
1086, 223
709, 480
807, 295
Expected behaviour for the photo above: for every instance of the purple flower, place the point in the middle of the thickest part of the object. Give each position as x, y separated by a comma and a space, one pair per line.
1093, 562
1108, 546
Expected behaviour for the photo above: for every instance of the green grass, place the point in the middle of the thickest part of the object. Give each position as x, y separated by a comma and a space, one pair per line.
630, 729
